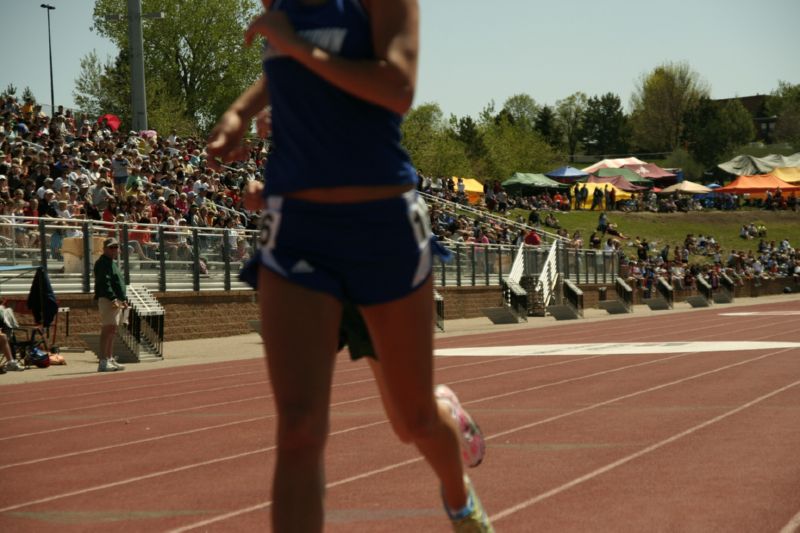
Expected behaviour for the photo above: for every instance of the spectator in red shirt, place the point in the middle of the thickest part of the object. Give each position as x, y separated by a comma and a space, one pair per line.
532, 238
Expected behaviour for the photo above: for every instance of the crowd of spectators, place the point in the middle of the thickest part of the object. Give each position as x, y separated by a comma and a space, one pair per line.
680, 266
71, 167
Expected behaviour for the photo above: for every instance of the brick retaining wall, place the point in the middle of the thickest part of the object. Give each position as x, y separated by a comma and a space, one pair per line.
192, 315
189, 315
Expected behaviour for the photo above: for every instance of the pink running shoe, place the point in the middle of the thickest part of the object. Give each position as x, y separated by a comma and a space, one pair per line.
473, 447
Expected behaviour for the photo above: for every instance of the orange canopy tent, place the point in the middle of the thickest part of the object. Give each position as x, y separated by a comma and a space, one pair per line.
757, 186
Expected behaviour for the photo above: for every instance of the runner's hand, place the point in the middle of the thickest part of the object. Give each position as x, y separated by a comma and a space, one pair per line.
225, 142
252, 196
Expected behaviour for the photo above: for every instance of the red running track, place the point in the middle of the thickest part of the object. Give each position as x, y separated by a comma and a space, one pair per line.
659, 441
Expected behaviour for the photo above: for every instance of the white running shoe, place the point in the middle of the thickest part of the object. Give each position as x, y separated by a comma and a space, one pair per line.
14, 366
473, 446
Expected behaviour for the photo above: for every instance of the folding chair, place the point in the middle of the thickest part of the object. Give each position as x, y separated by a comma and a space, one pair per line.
27, 334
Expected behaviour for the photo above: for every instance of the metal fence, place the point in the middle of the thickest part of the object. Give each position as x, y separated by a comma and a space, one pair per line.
182, 258
490, 264
157, 257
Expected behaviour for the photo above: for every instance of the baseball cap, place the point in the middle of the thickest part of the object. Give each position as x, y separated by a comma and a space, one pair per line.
110, 243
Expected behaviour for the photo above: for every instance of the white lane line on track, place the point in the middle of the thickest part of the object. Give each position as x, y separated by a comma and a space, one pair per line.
132, 400
149, 384
161, 473
763, 313
614, 348
187, 467
265, 505
631, 395
563, 415
207, 406
228, 424
105, 393
356, 400
644, 451
363, 475
793, 526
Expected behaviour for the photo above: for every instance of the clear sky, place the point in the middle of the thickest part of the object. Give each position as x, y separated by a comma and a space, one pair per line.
474, 51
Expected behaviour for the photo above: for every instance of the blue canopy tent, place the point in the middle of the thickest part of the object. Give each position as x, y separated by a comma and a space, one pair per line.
566, 174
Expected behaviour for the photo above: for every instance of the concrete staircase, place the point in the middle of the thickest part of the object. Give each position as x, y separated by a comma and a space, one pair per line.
698, 301
563, 311
502, 315
614, 307
657, 303
722, 296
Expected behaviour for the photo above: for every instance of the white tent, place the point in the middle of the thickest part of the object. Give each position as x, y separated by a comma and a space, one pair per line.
613, 163
687, 187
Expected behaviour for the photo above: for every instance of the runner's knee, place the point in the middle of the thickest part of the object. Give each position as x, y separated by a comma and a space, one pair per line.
417, 424
301, 433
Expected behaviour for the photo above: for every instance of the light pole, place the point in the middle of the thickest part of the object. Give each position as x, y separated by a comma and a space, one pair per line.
49, 8
136, 48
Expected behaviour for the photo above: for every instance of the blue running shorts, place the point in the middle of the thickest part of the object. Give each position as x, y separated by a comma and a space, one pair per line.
366, 253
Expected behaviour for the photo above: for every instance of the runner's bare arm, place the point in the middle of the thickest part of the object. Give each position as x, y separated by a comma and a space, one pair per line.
388, 81
225, 140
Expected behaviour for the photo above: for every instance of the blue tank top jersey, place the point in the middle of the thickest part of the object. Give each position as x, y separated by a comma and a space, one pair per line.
323, 136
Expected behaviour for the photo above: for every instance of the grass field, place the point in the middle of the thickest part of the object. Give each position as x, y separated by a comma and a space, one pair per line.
671, 228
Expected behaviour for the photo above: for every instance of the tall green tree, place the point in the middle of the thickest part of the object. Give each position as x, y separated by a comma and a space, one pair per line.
784, 102
466, 130
660, 103
546, 125
196, 52
522, 111
431, 143
570, 112
10, 90
715, 129
605, 126
511, 148
27, 94
105, 87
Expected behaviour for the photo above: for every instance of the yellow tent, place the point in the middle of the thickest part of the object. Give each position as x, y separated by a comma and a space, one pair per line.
472, 187
619, 194
787, 174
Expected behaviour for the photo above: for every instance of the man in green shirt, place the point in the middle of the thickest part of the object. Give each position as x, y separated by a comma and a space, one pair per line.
109, 291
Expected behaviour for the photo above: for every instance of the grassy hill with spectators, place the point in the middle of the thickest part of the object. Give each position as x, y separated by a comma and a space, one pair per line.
671, 228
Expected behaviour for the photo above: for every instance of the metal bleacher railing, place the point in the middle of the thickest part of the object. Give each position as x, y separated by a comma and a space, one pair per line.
481, 214
164, 258
156, 257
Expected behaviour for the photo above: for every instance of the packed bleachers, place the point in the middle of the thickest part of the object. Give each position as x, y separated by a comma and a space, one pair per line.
74, 168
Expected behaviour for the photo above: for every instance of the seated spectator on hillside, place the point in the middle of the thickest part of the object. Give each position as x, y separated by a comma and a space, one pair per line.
612, 230
533, 217
551, 221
